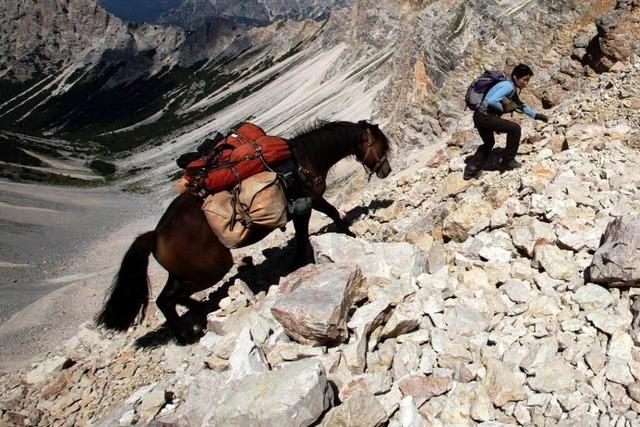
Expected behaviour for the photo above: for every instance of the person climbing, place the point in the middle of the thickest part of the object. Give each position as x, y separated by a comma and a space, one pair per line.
501, 98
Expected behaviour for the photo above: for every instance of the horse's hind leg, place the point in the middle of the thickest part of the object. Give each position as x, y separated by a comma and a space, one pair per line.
170, 296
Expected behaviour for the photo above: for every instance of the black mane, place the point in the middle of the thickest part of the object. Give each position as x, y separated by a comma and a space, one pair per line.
323, 139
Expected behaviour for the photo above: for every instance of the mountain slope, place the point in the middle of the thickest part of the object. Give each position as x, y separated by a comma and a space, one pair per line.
405, 65
193, 13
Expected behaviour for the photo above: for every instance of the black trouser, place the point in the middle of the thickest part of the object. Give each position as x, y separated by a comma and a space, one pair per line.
487, 125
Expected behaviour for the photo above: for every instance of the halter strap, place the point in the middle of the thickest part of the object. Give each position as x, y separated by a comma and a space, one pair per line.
379, 160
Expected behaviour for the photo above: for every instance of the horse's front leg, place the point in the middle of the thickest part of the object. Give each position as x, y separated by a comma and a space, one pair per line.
322, 205
303, 252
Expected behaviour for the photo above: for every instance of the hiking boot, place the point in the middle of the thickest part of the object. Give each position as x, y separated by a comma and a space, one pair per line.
507, 165
471, 171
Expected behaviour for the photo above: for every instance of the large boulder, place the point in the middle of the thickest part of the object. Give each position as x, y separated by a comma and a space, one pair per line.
387, 260
464, 217
617, 36
361, 409
295, 395
313, 302
617, 260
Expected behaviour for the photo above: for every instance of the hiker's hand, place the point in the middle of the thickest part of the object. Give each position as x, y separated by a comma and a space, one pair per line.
541, 117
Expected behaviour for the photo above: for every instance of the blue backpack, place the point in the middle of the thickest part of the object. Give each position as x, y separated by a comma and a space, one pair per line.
480, 86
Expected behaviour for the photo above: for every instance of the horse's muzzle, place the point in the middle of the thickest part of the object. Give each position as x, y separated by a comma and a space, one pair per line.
384, 170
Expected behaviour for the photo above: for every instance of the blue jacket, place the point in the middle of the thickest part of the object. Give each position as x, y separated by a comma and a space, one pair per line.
504, 89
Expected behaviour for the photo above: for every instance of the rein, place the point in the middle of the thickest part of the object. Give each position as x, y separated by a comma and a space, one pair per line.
379, 160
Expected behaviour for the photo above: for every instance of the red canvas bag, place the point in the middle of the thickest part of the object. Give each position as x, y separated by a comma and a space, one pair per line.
245, 153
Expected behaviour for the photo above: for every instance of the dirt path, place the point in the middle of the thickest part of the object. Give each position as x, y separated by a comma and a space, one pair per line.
60, 248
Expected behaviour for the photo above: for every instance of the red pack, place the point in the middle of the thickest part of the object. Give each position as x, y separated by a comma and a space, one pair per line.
239, 156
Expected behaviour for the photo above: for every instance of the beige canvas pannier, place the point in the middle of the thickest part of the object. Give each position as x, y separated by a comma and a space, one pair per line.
258, 201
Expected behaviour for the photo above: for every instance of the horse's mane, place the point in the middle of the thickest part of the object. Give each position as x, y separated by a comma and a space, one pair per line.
318, 138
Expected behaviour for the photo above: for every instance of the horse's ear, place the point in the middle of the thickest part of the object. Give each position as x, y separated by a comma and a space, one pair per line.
368, 135
363, 123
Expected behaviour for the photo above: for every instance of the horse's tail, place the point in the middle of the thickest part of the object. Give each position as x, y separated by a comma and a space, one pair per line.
129, 294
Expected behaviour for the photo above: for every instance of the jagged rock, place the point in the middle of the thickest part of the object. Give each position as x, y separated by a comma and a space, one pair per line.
423, 388
394, 291
296, 395
494, 254
200, 398
539, 176
372, 382
607, 322
617, 260
481, 406
518, 291
246, 358
578, 133
540, 354
360, 409
290, 351
313, 302
406, 359
464, 217
547, 378
593, 297
503, 383
457, 408
152, 403
555, 261
421, 239
454, 184
634, 391
44, 370
596, 359
621, 346
528, 232
363, 321
437, 258
466, 321
618, 371
405, 318
409, 415
388, 260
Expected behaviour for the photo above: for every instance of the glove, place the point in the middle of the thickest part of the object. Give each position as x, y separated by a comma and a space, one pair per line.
541, 117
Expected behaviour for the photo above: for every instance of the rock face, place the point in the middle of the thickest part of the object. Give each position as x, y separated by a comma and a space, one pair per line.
38, 36
312, 305
295, 395
617, 260
611, 44
191, 14
375, 260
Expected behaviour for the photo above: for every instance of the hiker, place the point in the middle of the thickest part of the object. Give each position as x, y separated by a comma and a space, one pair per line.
501, 98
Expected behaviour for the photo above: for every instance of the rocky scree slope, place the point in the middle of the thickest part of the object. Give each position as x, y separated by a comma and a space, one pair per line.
510, 299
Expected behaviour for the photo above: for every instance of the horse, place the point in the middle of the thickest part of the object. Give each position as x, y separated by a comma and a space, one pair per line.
185, 246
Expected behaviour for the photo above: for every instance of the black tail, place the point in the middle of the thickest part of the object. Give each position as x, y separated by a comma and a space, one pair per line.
129, 294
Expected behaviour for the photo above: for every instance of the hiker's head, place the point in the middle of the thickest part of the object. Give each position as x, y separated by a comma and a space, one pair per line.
521, 74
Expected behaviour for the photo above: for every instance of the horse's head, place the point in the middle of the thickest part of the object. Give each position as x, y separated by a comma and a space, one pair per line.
373, 150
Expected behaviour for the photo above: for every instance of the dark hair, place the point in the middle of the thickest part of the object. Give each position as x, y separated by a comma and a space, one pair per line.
521, 70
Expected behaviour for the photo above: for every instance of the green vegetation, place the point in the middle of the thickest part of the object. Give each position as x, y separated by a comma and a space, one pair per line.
12, 154
103, 167
25, 174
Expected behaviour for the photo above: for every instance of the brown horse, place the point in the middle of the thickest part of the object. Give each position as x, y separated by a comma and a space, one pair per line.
184, 244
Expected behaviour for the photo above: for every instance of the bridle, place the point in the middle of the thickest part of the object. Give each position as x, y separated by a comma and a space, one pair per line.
379, 160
